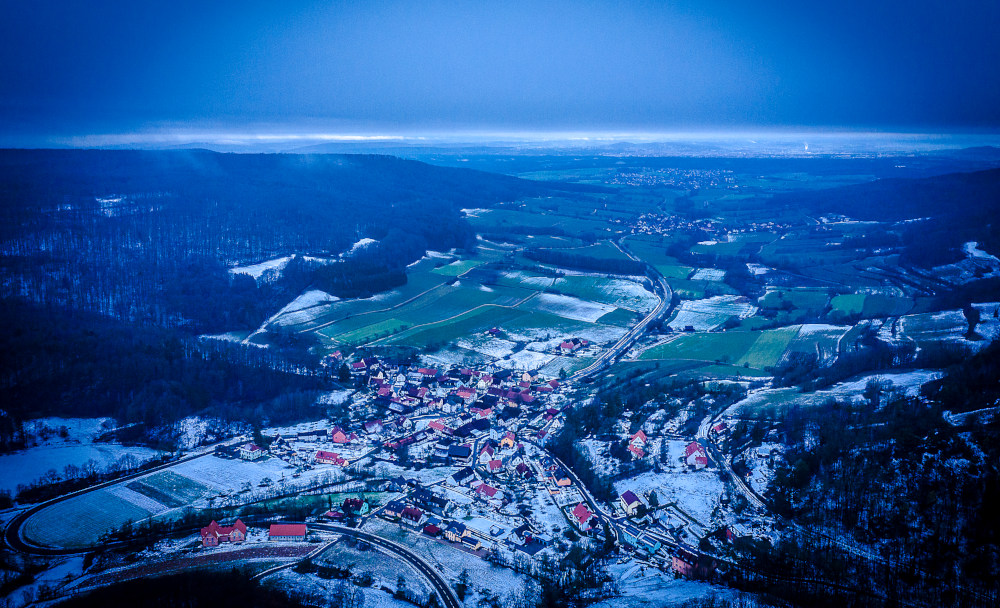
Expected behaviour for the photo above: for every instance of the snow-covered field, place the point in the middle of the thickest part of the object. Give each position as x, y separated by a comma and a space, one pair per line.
697, 493
905, 382
710, 313
757, 269
359, 246
258, 270
972, 250
529, 281
569, 307
645, 587
526, 360
951, 325
596, 333
55, 453
304, 308
194, 431
628, 294
708, 274
487, 345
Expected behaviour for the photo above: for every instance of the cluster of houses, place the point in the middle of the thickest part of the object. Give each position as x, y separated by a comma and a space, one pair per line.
215, 534
568, 347
404, 390
424, 511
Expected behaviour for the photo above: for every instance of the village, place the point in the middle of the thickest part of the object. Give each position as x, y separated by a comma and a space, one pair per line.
499, 495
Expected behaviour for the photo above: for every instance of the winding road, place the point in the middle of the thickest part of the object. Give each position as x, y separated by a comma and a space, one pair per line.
440, 585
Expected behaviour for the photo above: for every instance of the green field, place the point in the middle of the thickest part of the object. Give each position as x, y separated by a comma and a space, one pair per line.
756, 349
724, 347
769, 347
849, 304
457, 268
80, 521
619, 316
494, 221
813, 300
655, 254
438, 305
168, 488
821, 341
870, 306
877, 306
602, 251
437, 334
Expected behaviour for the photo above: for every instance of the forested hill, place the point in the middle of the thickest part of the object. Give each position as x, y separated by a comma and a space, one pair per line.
958, 207
148, 235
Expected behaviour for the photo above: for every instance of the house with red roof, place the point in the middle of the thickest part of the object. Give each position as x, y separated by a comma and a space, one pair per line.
495, 466
466, 394
213, 533
251, 451
440, 427
412, 515
287, 532
355, 505
583, 516
486, 454
637, 452
487, 491
695, 455
339, 435
324, 457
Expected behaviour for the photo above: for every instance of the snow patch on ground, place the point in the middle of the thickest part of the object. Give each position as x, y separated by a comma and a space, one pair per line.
304, 308
529, 281
569, 307
696, 493
646, 587
194, 431
487, 345
708, 274
972, 250
359, 246
628, 294
710, 313
526, 360
258, 270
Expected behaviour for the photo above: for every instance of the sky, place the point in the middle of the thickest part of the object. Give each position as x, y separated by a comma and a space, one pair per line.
71, 69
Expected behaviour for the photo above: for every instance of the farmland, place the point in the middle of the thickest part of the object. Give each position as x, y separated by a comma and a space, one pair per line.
710, 313
744, 349
79, 522
169, 488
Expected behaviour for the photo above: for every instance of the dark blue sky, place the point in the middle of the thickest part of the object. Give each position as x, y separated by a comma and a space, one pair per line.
75, 68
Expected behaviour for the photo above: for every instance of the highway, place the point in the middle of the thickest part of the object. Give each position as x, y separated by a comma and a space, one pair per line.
441, 586
621, 346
